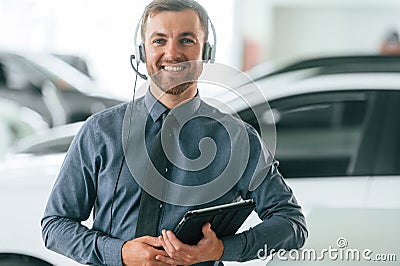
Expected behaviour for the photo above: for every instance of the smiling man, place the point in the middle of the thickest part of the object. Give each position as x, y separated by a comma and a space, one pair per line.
173, 42
97, 175
174, 47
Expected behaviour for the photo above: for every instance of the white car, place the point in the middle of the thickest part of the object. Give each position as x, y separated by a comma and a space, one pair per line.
337, 143
45, 83
27, 177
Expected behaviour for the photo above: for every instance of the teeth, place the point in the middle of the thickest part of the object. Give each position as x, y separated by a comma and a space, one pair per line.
173, 68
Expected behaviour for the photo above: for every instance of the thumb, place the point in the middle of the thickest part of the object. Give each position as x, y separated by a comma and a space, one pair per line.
206, 229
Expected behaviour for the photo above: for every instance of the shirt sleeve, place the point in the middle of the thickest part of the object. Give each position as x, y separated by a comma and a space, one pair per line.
71, 202
283, 223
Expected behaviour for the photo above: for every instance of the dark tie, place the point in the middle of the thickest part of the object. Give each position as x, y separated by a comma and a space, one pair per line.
150, 207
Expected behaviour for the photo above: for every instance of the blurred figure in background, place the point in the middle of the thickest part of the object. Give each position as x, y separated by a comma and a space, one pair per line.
391, 44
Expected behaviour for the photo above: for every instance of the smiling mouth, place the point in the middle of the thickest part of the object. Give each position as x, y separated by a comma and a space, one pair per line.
173, 68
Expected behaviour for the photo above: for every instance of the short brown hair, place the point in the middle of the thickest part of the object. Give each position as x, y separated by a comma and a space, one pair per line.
175, 5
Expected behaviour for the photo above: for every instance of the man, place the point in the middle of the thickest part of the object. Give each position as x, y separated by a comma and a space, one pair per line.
96, 176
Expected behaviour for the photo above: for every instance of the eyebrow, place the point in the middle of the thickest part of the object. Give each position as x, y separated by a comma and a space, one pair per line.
191, 34
183, 34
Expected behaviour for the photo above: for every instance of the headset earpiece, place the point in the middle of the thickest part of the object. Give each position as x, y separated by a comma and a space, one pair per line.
207, 52
210, 50
142, 53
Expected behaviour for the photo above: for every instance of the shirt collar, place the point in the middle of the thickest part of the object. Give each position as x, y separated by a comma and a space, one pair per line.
186, 111
154, 107
183, 112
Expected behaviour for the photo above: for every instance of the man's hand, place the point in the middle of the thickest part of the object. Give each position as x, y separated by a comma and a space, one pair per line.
208, 248
143, 251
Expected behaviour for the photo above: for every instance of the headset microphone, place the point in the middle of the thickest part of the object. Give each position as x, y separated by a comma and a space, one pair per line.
143, 76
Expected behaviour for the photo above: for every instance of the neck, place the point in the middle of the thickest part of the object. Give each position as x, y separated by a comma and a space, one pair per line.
170, 100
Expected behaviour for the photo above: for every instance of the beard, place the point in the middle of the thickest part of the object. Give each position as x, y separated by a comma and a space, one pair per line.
177, 90
176, 83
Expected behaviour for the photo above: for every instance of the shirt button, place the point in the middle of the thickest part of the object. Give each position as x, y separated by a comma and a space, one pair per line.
160, 205
166, 169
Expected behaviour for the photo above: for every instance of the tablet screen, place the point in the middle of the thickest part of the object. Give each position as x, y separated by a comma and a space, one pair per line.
225, 220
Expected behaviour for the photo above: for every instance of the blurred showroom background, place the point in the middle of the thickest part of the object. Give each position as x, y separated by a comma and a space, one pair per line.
337, 122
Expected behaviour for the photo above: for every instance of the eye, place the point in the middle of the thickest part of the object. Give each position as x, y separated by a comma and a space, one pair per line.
187, 41
158, 41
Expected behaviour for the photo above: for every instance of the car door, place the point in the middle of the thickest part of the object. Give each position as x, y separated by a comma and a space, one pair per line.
318, 143
384, 192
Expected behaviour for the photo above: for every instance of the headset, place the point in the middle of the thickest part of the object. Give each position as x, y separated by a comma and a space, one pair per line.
140, 54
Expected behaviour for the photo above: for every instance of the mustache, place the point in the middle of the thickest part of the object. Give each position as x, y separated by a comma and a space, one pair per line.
183, 63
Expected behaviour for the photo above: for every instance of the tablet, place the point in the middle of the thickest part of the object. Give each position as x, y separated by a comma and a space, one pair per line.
225, 220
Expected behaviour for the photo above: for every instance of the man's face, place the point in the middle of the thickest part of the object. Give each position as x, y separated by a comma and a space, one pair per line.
171, 40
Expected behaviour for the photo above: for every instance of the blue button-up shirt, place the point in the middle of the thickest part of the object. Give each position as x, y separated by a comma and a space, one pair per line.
97, 176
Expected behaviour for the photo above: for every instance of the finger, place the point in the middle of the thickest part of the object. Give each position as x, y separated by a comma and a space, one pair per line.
167, 260
150, 240
176, 251
169, 248
160, 252
168, 237
175, 242
163, 244
207, 231
181, 251
206, 228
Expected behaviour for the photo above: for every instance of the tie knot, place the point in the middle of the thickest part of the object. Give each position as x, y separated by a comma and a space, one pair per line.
164, 115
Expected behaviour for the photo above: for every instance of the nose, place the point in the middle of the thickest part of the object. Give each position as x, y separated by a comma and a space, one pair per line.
172, 51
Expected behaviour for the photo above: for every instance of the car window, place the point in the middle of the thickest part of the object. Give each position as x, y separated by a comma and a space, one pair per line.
317, 134
19, 75
384, 127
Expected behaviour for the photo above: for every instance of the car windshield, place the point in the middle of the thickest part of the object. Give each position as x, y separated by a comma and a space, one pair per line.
61, 69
